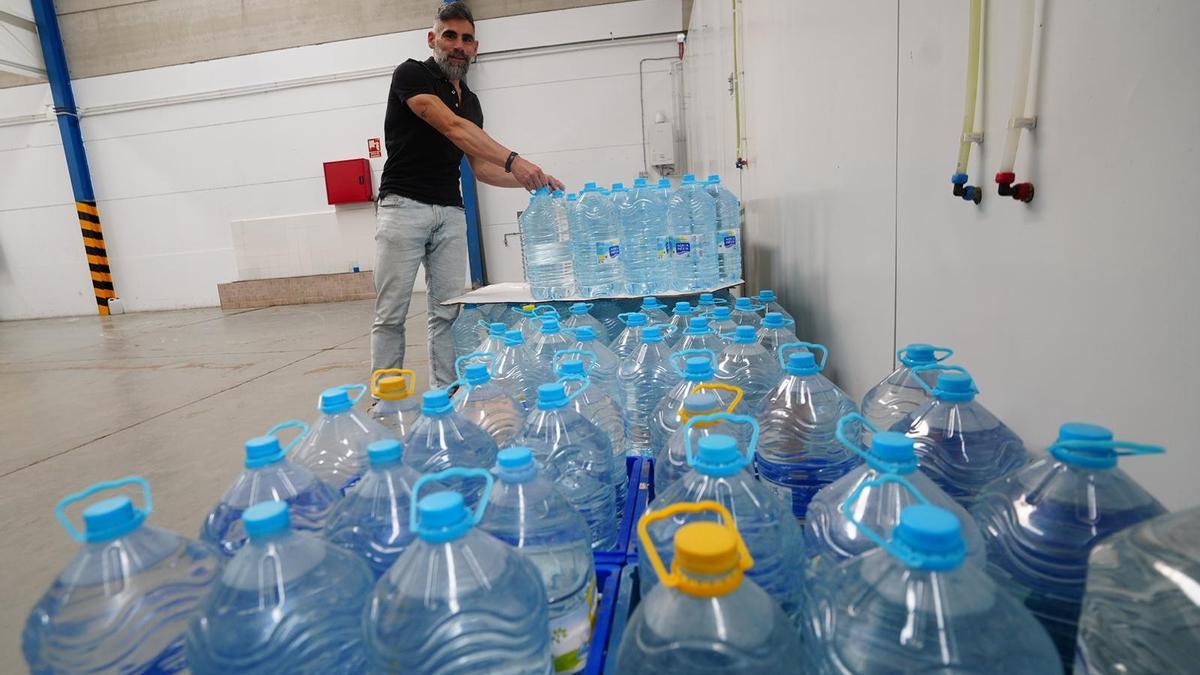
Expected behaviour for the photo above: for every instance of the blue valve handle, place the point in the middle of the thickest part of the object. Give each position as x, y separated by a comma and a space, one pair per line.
810, 346
911, 558
940, 366
455, 472
290, 424
350, 387
751, 447
462, 360
901, 355
683, 355
587, 382
555, 361
60, 510
874, 461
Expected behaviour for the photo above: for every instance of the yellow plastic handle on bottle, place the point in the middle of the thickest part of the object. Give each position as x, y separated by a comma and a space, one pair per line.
696, 543
408, 376
738, 394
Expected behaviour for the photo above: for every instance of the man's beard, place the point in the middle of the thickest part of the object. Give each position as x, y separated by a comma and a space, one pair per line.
452, 70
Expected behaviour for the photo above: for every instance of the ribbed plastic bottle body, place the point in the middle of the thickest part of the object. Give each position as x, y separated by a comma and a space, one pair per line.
798, 453
646, 378
643, 216
772, 338
586, 319
310, 501
877, 616
510, 372
602, 370
287, 605
447, 440
600, 409
336, 448
577, 456
692, 227
831, 538
492, 409
546, 249
741, 633
372, 522
1041, 522
729, 236
670, 461
752, 368
771, 534
666, 419
896, 397
1141, 580
466, 331
540, 351
396, 416
538, 521
626, 343
121, 605
596, 244
962, 446
701, 340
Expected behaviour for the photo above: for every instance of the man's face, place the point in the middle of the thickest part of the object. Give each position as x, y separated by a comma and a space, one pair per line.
453, 44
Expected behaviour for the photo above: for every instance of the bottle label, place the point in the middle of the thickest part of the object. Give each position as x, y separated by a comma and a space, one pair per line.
684, 244
727, 239
571, 635
608, 251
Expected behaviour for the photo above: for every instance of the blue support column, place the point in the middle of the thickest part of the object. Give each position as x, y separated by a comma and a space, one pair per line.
474, 231
77, 165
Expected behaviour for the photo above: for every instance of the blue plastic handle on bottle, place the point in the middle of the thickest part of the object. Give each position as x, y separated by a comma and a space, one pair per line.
60, 510
587, 371
462, 360
810, 346
623, 317
454, 472
587, 382
290, 424
588, 305
901, 355
683, 356
751, 447
939, 366
350, 387
904, 554
1102, 455
873, 460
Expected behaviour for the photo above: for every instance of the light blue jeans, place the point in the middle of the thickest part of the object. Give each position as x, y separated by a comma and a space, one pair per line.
408, 233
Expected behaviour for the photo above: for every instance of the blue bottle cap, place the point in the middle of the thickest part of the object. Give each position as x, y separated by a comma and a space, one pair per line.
110, 518
697, 325
743, 304
745, 335
266, 518
477, 374
585, 333
636, 319
497, 329
580, 308
571, 367
651, 302
590, 187
262, 451
1081, 431
652, 334
513, 338
954, 386
801, 363
639, 182
382, 453
664, 183
683, 308
335, 400
443, 517
774, 320
516, 465
571, 196
701, 402
714, 178
933, 534
722, 313
689, 178
707, 299
766, 295
718, 455
920, 353
618, 187
435, 402
698, 369
557, 194
549, 326
892, 447
542, 191
551, 396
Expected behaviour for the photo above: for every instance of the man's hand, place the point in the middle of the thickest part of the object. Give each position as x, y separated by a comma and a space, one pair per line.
554, 183
528, 174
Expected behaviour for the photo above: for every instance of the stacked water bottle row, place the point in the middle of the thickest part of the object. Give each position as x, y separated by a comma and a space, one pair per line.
636, 240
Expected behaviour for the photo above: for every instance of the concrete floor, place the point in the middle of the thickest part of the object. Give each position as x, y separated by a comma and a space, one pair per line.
170, 396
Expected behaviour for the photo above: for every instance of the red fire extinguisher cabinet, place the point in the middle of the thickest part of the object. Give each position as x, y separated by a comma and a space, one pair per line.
348, 181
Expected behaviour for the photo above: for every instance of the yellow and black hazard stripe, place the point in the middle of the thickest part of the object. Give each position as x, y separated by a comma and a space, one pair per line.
97, 255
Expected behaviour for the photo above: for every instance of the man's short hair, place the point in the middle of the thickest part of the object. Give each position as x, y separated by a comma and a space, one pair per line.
455, 10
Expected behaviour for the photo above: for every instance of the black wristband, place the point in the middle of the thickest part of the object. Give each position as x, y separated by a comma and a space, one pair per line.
508, 162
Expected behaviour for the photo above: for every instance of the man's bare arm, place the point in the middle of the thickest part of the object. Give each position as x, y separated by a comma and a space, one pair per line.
494, 175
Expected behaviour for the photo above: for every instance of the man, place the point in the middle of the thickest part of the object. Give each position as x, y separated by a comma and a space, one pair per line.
432, 119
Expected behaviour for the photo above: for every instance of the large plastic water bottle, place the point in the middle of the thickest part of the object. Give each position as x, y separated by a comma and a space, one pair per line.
288, 602
596, 244
698, 421
617, 194
960, 444
372, 521
269, 476
700, 335
646, 376
528, 512
578, 456
628, 340
679, 322
707, 302
466, 329
546, 248
721, 472
770, 302
697, 370
494, 340
606, 312
1041, 522
532, 317
776, 329
705, 616
898, 395
914, 606
336, 448
643, 215
1143, 580
655, 311
442, 439
595, 403
831, 537
579, 317
458, 597
396, 405
541, 349
484, 402
510, 370
122, 604
799, 453
692, 227
729, 231
602, 363
721, 320
746, 364
747, 313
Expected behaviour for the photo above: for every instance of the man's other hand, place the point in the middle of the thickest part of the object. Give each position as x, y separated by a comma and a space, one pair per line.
554, 183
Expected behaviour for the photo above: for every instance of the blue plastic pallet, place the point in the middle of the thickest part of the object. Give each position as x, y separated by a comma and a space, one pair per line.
608, 579
634, 468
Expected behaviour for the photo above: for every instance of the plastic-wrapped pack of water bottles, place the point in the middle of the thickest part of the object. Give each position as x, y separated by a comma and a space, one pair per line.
676, 492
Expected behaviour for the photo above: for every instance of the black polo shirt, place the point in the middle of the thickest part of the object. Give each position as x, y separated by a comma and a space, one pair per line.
422, 164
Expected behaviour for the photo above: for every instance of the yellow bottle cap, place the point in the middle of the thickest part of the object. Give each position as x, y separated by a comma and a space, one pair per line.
529, 308
709, 549
706, 548
393, 384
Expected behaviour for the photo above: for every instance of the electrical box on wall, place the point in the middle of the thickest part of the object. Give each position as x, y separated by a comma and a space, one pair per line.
348, 181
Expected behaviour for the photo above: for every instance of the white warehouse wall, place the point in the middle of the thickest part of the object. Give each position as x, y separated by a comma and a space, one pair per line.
172, 173
1078, 306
